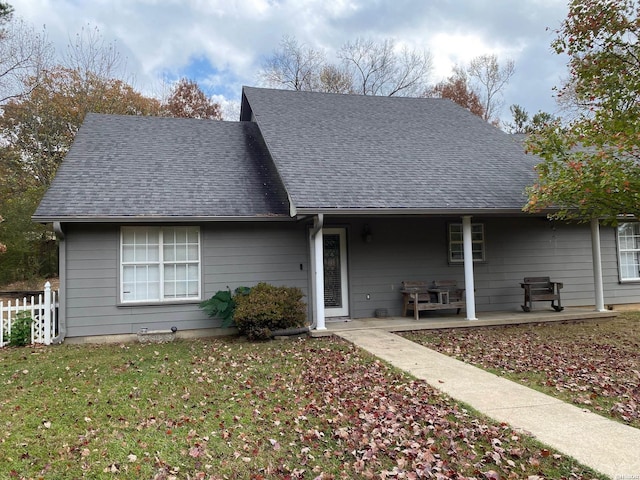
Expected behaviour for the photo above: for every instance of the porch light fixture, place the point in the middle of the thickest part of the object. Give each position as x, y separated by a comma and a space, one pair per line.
367, 236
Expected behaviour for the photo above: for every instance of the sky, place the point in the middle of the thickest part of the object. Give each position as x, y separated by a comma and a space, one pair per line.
222, 44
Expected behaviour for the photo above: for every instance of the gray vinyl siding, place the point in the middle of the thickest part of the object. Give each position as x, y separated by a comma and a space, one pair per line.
416, 249
232, 255
235, 254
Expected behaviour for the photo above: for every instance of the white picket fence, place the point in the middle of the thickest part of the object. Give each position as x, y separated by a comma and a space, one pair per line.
43, 311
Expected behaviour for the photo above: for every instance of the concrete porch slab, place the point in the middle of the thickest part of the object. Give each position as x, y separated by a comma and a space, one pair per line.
485, 319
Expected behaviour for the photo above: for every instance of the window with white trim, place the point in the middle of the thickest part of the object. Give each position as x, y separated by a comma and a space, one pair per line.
456, 246
159, 264
629, 251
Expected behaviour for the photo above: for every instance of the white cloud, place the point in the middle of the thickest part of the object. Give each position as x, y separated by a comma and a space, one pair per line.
162, 37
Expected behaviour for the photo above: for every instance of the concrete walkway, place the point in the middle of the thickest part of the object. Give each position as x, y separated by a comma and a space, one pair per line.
604, 445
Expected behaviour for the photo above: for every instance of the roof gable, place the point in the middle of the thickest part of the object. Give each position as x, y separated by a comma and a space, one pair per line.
128, 167
353, 152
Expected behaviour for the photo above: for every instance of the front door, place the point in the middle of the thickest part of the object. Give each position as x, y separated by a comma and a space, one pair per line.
336, 285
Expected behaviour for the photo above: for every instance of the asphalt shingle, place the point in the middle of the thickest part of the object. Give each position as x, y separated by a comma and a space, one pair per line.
151, 167
363, 152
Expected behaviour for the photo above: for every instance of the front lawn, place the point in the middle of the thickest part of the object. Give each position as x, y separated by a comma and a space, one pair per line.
593, 364
224, 408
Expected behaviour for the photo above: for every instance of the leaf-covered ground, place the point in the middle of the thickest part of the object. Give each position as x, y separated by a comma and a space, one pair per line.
223, 408
594, 364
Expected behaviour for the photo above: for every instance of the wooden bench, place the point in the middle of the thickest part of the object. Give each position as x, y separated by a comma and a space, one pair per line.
440, 295
541, 289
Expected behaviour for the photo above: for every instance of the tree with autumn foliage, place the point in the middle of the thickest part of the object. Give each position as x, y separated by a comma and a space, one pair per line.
3, 247
457, 89
590, 168
187, 100
42, 125
38, 127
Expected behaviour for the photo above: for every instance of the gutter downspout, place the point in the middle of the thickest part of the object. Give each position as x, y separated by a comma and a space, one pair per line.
317, 279
62, 273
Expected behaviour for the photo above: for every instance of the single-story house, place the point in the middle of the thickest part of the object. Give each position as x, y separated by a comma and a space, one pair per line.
344, 196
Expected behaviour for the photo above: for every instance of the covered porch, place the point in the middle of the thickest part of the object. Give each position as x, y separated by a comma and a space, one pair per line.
489, 319
488, 257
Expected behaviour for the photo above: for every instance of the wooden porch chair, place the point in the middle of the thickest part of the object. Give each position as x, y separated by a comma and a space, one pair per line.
440, 295
415, 296
456, 298
541, 289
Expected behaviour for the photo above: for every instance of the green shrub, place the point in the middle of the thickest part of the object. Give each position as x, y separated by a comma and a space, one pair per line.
267, 308
21, 330
223, 304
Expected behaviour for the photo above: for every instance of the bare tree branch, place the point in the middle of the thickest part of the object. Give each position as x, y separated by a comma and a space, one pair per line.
491, 78
368, 68
294, 66
379, 69
24, 55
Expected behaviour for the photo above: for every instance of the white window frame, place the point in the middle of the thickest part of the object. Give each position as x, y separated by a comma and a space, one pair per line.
628, 252
154, 252
455, 243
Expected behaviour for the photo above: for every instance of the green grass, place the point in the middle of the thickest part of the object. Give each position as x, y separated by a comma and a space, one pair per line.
593, 364
224, 408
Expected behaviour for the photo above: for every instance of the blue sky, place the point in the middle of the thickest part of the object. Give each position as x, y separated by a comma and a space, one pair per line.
223, 43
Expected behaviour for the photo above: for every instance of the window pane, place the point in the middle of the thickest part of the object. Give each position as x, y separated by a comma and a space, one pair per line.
629, 250
128, 284
193, 253
169, 272
630, 265
160, 263
477, 236
169, 252
181, 272
456, 247
180, 235
128, 253
128, 237
140, 253
192, 235
181, 253
181, 281
181, 289
457, 252
192, 289
193, 272
141, 282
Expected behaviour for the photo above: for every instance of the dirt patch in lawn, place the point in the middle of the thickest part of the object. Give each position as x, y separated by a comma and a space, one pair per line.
593, 364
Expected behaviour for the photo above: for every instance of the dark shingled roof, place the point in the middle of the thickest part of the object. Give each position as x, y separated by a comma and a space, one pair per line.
352, 152
130, 168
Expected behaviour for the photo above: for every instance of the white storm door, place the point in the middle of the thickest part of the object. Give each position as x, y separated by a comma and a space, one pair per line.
336, 283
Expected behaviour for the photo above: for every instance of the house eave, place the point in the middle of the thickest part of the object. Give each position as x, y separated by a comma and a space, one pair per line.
416, 212
158, 219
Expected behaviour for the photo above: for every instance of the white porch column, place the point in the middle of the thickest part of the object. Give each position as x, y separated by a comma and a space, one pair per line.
47, 313
597, 264
318, 273
468, 268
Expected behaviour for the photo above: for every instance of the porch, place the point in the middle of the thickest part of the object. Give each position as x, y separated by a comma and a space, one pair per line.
487, 319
